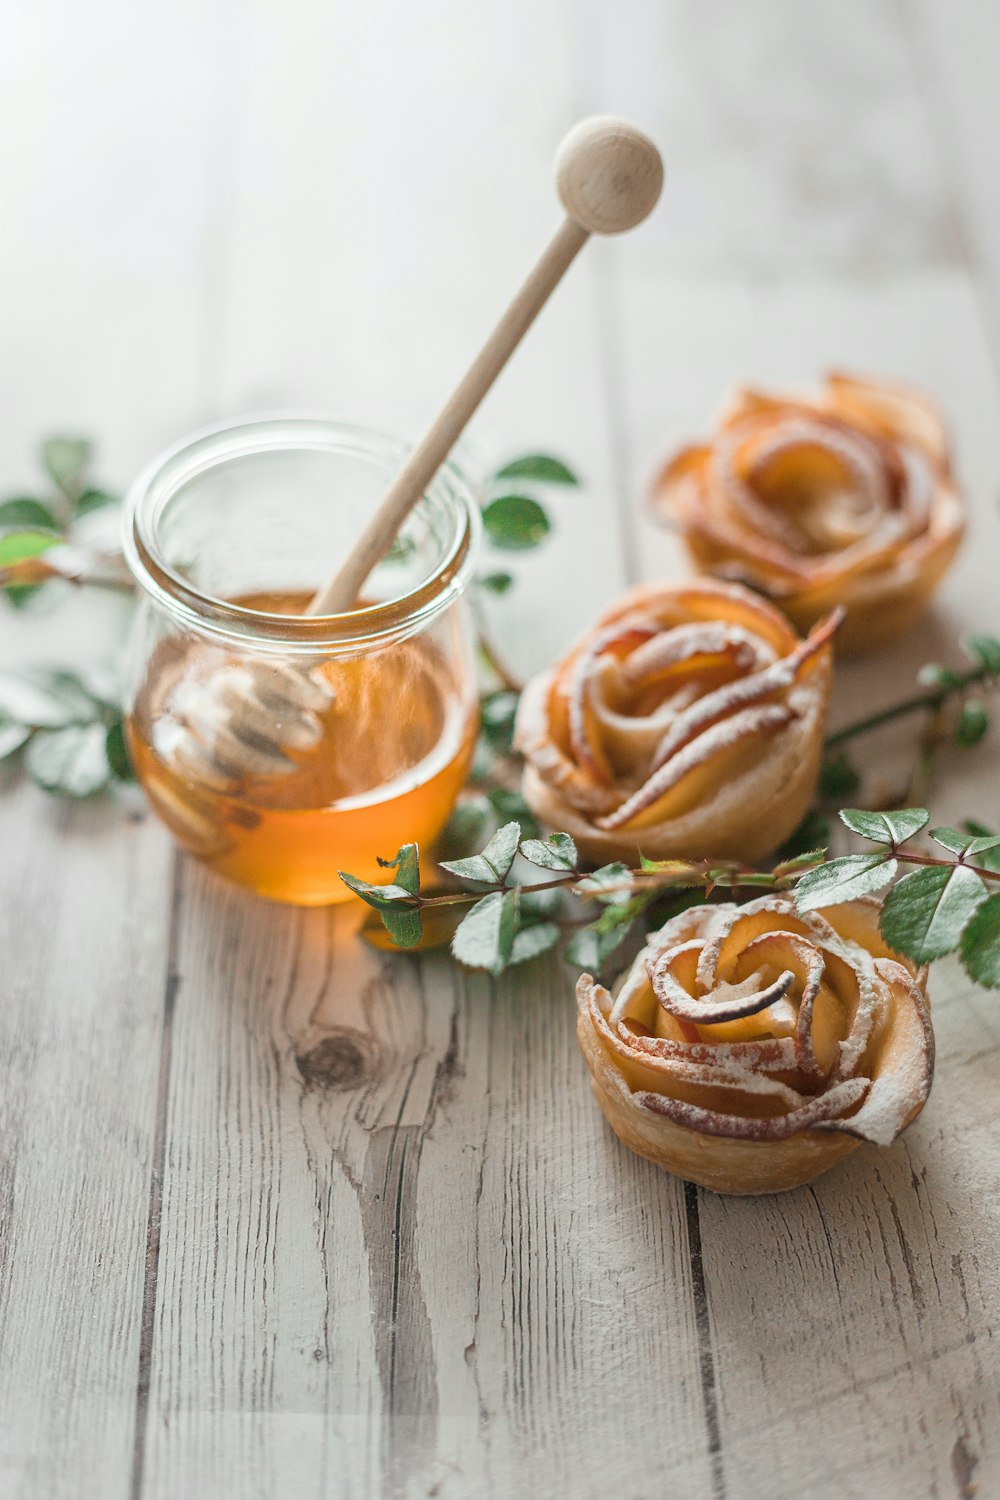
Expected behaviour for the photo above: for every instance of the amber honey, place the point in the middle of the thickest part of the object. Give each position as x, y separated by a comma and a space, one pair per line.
392, 756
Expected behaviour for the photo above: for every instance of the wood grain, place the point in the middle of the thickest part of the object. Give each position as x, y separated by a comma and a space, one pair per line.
284, 1216
82, 938
850, 1357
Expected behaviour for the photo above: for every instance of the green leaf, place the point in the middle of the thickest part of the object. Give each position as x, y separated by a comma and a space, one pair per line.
465, 828
23, 511
607, 883
497, 713
984, 651
515, 522
483, 758
932, 674
507, 804
591, 947
951, 838
532, 941
103, 682
973, 722
382, 897
94, 499
557, 852
406, 863
623, 913
22, 595
403, 925
502, 849
485, 940
19, 546
496, 583
494, 862
680, 870
474, 868
838, 778
46, 698
987, 855
66, 460
885, 827
12, 737
981, 944
72, 761
799, 861
539, 466
119, 759
965, 843
843, 880
924, 914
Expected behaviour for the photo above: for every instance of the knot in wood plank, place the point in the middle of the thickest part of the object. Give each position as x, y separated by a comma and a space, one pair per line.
345, 1059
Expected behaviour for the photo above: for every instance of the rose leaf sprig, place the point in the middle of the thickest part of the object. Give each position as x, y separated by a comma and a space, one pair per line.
67, 728
42, 538
509, 921
514, 517
943, 688
942, 906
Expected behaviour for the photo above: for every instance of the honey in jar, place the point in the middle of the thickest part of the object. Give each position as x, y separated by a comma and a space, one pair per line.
394, 740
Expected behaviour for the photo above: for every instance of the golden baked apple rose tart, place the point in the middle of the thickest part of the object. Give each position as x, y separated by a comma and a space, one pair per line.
688, 722
750, 1048
847, 498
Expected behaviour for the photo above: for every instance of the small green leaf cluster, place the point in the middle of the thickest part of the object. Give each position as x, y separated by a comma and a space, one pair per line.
972, 720
514, 518
31, 527
942, 907
506, 925
510, 923
67, 727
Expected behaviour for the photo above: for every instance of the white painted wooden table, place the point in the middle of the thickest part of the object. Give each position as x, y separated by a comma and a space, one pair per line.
281, 1217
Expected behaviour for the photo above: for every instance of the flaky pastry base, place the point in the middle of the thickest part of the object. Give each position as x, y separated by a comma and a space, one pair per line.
842, 499
688, 722
838, 1050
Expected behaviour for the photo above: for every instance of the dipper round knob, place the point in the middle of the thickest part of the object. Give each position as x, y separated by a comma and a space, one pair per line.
609, 175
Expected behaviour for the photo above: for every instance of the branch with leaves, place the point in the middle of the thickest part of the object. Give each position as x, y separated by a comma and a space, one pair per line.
47, 537
942, 906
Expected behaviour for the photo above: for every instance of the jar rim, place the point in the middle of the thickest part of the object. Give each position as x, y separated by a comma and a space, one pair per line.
211, 447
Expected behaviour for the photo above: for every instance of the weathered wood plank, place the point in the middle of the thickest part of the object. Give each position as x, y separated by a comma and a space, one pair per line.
413, 1270
399, 1252
83, 893
855, 1322
101, 323
850, 1347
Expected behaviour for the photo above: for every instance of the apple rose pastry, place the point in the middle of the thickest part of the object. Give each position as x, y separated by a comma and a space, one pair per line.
846, 499
751, 1048
687, 723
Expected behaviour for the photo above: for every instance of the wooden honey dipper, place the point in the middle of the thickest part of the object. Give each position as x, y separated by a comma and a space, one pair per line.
609, 176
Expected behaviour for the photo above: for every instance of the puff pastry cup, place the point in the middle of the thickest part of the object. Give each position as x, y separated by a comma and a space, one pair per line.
846, 498
687, 723
749, 1048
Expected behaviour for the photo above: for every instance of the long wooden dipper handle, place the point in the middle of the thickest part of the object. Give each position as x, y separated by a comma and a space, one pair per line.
609, 177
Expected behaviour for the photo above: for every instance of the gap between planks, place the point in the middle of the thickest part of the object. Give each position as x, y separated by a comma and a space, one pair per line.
147, 1321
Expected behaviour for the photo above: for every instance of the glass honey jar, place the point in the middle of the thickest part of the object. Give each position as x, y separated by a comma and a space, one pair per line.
228, 535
